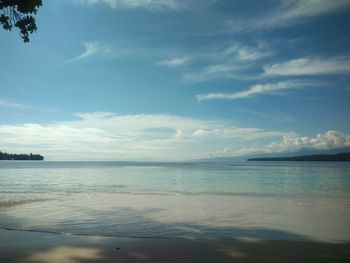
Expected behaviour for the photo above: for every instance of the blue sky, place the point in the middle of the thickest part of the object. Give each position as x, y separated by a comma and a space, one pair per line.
177, 80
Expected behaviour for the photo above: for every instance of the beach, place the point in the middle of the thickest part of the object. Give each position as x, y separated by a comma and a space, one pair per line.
174, 212
24, 246
174, 131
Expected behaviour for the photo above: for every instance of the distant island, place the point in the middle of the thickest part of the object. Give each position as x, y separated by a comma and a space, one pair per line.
21, 156
340, 157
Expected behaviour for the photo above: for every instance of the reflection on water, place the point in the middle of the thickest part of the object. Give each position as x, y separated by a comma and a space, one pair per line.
65, 254
178, 200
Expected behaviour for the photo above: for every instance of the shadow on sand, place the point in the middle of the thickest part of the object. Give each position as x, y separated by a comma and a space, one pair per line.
23, 246
115, 245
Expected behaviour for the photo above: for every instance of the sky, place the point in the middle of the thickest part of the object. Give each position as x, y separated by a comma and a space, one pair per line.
171, 80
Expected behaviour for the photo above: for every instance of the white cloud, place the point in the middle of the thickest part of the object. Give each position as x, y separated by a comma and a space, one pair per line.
245, 134
229, 62
91, 48
111, 3
289, 12
109, 136
215, 71
297, 9
148, 4
247, 53
174, 62
4, 103
289, 144
259, 89
305, 66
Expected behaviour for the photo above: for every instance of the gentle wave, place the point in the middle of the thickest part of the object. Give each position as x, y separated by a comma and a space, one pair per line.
216, 165
239, 233
193, 200
155, 193
9, 203
94, 234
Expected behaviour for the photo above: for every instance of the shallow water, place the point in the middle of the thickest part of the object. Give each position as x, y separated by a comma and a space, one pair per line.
269, 200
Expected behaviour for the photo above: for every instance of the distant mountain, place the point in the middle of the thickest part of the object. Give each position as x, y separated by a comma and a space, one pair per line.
339, 157
21, 157
303, 152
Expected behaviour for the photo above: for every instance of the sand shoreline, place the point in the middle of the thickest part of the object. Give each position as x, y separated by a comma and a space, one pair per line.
23, 246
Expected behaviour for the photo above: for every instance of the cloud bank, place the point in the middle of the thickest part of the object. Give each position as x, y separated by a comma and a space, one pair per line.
290, 144
322, 141
156, 137
110, 136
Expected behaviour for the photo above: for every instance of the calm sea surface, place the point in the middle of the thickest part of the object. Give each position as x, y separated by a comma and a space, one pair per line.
268, 200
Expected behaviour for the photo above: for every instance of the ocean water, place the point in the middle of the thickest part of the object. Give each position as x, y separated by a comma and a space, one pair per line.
263, 200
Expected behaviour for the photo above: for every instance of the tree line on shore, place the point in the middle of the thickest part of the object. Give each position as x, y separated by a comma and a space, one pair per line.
21, 156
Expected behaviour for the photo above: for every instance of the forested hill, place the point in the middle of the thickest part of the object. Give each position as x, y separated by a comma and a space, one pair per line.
21, 156
340, 157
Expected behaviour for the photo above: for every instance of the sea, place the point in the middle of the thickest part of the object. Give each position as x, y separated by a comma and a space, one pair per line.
302, 201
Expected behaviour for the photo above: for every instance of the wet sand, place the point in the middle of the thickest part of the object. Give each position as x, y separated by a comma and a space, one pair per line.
23, 246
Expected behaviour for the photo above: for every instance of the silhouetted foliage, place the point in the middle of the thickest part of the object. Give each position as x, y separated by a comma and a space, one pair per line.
340, 157
18, 13
21, 156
